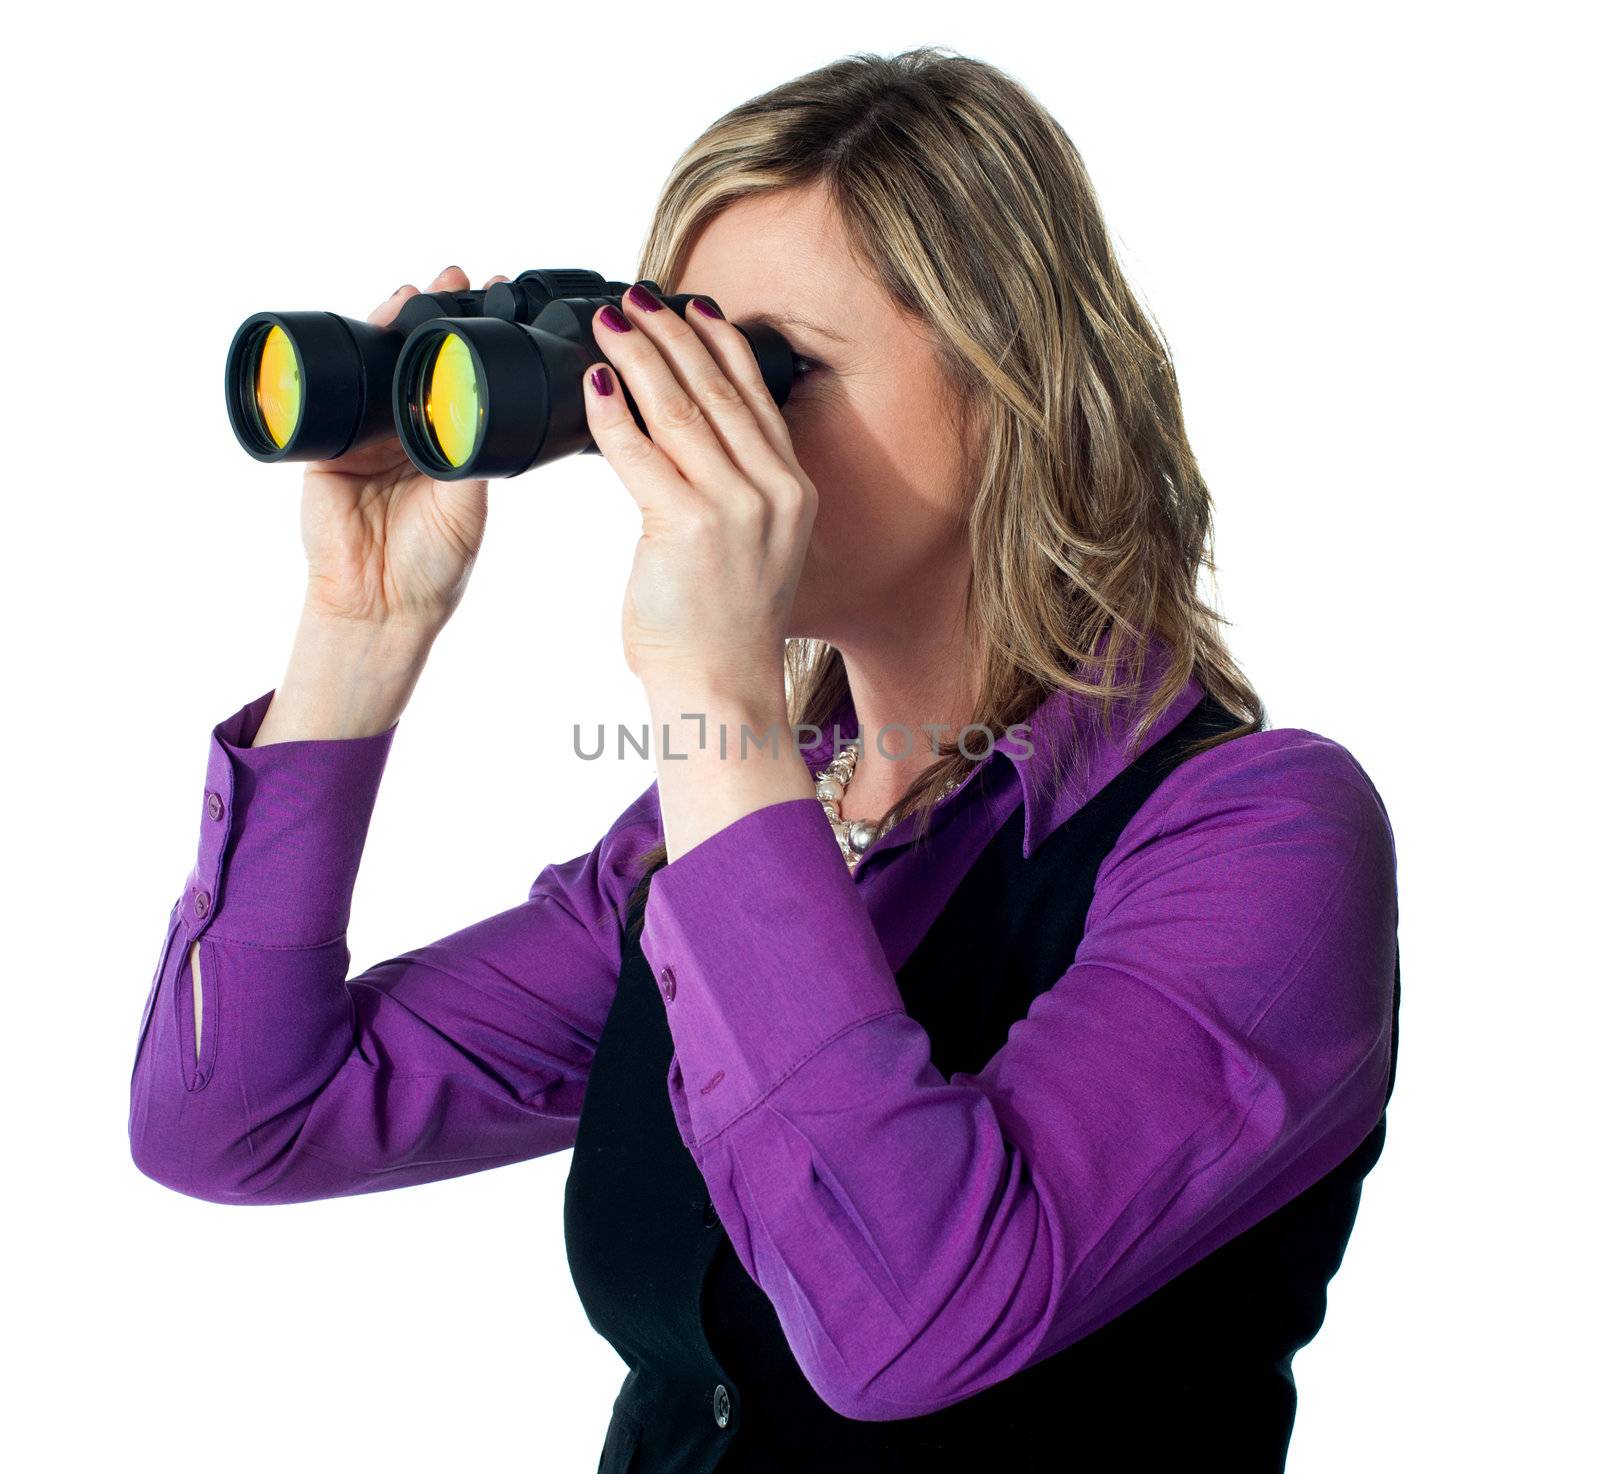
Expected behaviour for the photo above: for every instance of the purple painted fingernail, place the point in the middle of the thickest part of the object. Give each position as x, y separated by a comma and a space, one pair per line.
601, 379
641, 296
614, 320
708, 308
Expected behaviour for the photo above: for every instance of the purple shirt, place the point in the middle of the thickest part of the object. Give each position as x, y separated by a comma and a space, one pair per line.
1220, 1041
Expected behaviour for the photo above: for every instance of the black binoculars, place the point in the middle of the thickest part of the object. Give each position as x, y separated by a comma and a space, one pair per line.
484, 383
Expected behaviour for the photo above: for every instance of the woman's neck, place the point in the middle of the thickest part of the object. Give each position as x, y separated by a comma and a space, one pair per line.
898, 697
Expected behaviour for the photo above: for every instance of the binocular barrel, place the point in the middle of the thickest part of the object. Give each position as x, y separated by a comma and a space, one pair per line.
310, 386
490, 396
484, 383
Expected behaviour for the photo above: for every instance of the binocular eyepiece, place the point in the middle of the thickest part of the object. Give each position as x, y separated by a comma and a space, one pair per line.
483, 383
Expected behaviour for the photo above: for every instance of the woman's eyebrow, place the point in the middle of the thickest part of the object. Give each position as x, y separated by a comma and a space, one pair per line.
779, 319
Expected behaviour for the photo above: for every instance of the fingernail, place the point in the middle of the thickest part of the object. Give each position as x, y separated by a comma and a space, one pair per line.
601, 379
708, 308
397, 291
614, 320
641, 296
450, 268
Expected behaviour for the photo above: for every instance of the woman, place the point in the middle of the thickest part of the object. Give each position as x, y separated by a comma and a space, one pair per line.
995, 1091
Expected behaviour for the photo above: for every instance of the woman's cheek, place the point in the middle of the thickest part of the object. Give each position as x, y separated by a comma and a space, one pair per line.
822, 431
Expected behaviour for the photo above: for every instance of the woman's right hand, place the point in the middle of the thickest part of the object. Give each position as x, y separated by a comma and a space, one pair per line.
386, 546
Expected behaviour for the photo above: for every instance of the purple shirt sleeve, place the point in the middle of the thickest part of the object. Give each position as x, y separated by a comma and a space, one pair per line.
1220, 1042
467, 1053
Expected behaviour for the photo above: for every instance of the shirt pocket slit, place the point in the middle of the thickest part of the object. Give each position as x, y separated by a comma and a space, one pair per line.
195, 998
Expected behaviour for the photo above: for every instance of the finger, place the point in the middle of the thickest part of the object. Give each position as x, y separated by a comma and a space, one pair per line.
451, 279
385, 312
697, 414
644, 468
493, 279
737, 359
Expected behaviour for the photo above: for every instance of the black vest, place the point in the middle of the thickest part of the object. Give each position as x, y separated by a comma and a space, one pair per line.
1196, 1373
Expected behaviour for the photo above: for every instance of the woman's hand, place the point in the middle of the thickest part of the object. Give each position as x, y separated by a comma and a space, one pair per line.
727, 519
727, 510
387, 546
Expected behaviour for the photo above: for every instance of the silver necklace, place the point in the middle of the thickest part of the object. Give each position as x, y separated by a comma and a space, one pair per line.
854, 835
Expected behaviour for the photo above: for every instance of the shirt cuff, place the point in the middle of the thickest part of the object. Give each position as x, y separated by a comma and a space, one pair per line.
282, 829
763, 950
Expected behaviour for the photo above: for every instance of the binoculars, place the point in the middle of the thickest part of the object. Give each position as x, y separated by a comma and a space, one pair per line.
484, 383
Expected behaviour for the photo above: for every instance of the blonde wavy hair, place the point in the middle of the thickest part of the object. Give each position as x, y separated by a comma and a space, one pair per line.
1090, 523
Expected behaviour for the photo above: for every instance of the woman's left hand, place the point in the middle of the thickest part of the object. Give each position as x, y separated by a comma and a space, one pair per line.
727, 510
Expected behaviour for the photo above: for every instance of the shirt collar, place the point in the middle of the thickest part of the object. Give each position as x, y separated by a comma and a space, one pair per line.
1049, 799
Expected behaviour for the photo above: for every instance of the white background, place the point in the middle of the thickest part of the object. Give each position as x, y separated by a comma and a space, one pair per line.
1360, 225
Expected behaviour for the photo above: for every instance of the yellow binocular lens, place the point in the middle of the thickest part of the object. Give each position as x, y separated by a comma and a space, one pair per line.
278, 386
451, 404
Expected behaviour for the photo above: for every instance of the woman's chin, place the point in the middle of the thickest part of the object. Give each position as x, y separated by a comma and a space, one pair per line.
803, 612
808, 621
821, 610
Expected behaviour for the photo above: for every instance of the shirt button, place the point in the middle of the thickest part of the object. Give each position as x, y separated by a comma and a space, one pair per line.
669, 983
202, 902
719, 1405
214, 805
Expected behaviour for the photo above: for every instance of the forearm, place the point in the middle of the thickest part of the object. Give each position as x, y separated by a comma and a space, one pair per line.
725, 751
264, 1073
1220, 1040
249, 1017
345, 678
